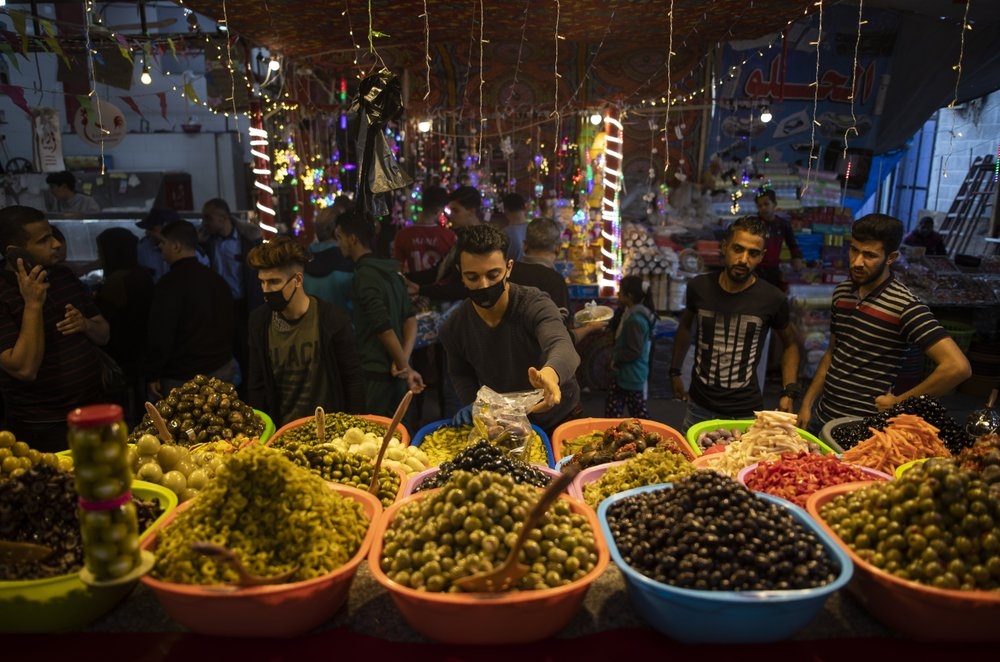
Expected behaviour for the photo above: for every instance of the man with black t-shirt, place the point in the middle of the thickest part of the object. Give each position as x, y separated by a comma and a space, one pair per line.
732, 312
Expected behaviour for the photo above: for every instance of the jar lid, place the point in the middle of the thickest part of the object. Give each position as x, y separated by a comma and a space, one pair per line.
94, 415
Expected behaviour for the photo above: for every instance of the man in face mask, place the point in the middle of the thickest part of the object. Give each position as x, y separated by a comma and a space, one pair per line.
190, 329
384, 320
507, 336
302, 349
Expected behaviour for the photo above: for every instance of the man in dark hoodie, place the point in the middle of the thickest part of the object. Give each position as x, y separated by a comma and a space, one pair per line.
384, 322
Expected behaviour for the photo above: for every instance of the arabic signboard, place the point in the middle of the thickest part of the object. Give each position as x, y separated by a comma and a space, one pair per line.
828, 109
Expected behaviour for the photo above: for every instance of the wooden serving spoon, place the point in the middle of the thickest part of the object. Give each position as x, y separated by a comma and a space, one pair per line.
404, 404
246, 577
161, 425
510, 572
14, 552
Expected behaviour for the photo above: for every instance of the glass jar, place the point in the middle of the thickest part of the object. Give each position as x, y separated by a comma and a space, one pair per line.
98, 439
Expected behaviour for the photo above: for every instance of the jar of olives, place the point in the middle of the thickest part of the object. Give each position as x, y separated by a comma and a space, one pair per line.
109, 526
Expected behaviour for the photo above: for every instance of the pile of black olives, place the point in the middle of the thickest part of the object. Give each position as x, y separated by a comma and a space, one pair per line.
710, 533
484, 456
937, 524
40, 507
201, 410
951, 433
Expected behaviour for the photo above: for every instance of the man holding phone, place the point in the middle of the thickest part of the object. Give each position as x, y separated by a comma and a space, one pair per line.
49, 332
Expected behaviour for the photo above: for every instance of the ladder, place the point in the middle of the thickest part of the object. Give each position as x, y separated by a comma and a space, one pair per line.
973, 201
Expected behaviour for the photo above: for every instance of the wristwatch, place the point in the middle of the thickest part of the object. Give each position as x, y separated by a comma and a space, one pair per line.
792, 391
674, 372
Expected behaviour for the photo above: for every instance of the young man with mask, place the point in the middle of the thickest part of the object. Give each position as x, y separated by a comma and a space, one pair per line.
874, 318
384, 321
302, 349
506, 336
732, 312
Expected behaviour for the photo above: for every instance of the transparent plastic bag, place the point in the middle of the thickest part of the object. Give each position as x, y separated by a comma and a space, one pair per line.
502, 419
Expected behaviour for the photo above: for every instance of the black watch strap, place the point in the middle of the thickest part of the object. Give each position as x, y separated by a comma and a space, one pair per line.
792, 391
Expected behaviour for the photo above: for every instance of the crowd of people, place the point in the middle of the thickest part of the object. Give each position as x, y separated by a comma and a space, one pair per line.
333, 323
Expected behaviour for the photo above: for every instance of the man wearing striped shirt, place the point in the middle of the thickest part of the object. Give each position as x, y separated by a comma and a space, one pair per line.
874, 319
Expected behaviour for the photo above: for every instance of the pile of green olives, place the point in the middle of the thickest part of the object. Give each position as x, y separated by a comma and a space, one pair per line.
272, 513
651, 467
446, 442
334, 425
469, 525
341, 467
937, 524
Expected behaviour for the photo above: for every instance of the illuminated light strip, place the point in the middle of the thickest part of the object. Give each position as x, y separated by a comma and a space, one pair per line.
259, 138
613, 153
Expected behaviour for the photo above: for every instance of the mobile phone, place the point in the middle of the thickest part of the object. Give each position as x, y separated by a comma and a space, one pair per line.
14, 252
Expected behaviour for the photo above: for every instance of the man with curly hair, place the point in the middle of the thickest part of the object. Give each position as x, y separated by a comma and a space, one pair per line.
302, 349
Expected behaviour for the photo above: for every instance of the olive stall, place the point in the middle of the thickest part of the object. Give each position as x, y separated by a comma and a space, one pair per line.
252, 496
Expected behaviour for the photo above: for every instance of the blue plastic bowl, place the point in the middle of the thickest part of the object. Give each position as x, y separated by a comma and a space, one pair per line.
729, 617
434, 426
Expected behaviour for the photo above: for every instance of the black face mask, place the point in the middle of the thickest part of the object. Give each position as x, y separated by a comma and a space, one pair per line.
275, 300
487, 297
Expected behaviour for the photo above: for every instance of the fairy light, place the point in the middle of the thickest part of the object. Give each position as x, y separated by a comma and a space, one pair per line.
958, 79
427, 49
815, 86
666, 117
854, 81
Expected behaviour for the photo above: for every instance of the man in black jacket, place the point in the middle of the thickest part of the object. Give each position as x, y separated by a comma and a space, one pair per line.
302, 349
190, 330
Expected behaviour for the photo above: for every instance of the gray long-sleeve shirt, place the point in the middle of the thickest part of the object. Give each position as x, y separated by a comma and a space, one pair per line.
531, 334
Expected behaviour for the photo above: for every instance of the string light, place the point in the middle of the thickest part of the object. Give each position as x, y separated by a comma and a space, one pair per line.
815, 86
765, 115
145, 78
958, 80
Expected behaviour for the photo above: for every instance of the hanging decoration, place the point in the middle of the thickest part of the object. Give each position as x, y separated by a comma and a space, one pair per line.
99, 122
262, 174
379, 102
610, 268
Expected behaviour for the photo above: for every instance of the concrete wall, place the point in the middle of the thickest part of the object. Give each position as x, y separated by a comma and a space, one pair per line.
963, 134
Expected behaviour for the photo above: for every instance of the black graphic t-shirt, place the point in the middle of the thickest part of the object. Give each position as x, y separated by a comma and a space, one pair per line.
729, 341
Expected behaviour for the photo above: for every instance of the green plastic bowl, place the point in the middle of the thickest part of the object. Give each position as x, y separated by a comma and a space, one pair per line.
62, 603
715, 424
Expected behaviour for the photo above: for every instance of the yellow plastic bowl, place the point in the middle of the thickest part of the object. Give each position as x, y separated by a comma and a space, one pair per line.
903, 468
277, 610
64, 602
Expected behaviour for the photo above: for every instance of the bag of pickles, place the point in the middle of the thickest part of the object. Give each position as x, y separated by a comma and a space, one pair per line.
502, 418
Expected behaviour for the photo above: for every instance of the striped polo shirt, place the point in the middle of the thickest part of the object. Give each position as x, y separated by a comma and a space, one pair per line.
872, 335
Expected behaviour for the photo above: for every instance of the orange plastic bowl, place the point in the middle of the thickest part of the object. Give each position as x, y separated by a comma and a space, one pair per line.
279, 610
488, 618
581, 426
913, 609
404, 436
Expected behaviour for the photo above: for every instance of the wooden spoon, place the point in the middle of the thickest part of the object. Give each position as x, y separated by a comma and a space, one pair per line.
246, 577
320, 425
510, 572
14, 552
161, 425
404, 404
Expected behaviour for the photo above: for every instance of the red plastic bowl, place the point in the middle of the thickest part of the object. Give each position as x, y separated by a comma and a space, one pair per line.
581, 426
913, 609
279, 610
488, 618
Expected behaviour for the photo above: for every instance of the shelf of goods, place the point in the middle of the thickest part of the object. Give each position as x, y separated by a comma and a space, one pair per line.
938, 282
811, 314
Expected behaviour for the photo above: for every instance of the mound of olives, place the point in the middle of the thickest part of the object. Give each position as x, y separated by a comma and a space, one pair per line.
619, 442
951, 433
335, 425
469, 526
40, 506
16, 457
708, 532
340, 467
651, 467
936, 524
200, 410
484, 456
446, 442
273, 514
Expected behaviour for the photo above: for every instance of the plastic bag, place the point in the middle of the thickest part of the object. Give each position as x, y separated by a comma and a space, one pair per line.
502, 418
379, 102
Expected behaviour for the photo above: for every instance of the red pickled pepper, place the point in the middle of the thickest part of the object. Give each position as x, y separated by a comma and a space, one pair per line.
795, 476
